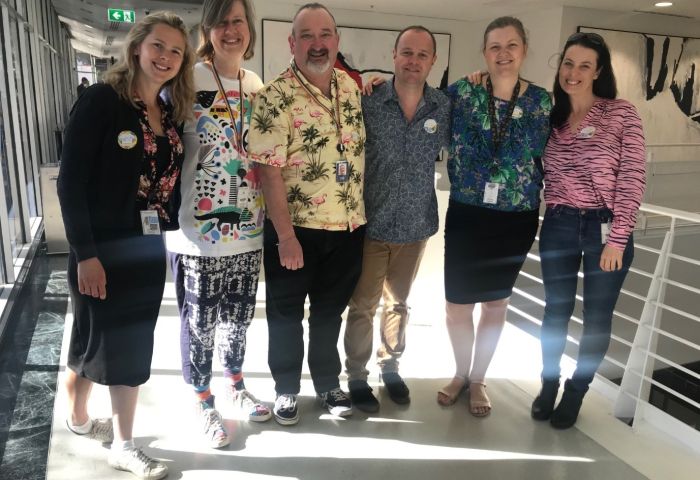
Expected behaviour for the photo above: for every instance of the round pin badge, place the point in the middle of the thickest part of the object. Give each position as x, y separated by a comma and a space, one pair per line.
517, 112
587, 132
430, 126
127, 139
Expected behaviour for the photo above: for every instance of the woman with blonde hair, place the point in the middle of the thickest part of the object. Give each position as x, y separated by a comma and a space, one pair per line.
215, 255
499, 130
120, 166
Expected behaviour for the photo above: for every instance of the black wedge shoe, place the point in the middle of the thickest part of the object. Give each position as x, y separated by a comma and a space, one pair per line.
543, 406
566, 413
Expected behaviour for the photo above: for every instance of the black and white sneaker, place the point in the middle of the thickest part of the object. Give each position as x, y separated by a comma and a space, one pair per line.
285, 410
337, 402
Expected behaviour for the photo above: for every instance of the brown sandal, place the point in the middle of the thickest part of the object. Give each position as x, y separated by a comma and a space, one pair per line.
449, 394
479, 403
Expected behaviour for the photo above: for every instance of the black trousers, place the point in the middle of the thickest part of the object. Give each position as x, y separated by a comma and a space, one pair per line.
332, 266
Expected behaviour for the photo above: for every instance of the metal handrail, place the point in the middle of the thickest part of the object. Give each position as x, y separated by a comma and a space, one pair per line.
643, 348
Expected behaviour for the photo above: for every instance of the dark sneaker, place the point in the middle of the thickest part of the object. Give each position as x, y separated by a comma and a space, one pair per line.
396, 387
337, 402
362, 396
285, 410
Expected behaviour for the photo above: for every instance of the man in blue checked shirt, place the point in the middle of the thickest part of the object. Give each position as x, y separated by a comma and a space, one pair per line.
407, 123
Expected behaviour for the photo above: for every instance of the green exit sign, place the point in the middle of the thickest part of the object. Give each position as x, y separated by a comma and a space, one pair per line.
119, 15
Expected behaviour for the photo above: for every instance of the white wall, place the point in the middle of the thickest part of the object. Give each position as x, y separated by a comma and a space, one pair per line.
544, 29
633, 22
461, 32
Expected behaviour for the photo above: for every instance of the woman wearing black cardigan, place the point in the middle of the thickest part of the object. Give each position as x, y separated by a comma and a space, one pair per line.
120, 166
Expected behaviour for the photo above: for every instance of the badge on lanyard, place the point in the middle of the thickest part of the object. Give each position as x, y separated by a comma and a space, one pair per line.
127, 139
149, 222
491, 192
605, 232
341, 171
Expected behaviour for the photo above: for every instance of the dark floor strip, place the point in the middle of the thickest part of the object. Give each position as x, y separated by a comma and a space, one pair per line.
29, 357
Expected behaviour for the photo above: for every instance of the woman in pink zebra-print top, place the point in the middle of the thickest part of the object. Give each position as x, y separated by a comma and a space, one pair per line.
594, 182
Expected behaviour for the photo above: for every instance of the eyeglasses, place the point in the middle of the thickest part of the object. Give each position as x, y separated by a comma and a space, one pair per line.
590, 36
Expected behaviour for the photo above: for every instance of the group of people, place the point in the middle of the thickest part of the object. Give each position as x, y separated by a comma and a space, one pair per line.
204, 164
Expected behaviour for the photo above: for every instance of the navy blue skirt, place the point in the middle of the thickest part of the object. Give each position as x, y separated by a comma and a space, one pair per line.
112, 339
484, 251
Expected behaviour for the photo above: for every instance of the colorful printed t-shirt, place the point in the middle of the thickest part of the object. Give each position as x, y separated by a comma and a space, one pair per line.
222, 209
292, 131
471, 160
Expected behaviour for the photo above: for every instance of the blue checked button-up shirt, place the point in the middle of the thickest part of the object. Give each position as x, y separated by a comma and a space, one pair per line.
400, 201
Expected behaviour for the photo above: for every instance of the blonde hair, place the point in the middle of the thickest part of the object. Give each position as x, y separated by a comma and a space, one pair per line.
180, 89
213, 12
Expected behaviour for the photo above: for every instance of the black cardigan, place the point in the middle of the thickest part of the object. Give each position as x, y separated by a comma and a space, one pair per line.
98, 180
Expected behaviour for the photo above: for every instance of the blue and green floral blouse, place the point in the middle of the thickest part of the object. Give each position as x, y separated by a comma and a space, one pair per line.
471, 161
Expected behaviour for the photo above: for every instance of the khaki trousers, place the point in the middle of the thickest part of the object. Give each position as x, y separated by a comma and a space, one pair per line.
388, 271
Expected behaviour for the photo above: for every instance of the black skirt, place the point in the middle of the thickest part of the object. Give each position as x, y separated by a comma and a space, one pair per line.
484, 251
112, 339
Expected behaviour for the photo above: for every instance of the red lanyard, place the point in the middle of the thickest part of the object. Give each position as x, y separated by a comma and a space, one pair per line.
239, 133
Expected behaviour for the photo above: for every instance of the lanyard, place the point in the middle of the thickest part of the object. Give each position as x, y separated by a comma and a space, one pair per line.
498, 132
239, 133
335, 113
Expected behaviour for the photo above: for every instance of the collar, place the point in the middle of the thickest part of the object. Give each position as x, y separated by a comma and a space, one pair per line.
294, 69
387, 92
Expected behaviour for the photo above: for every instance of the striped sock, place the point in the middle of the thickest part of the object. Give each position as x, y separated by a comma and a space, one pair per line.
235, 378
203, 393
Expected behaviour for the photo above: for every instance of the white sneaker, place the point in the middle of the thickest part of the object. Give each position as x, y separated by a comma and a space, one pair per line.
251, 406
135, 461
212, 425
101, 430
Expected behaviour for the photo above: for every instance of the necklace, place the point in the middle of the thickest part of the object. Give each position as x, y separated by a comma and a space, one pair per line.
498, 131
335, 113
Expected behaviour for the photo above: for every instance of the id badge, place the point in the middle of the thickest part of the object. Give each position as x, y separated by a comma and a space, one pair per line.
604, 232
149, 222
341, 171
491, 192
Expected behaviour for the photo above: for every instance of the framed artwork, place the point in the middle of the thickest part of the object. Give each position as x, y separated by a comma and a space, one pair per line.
364, 52
660, 75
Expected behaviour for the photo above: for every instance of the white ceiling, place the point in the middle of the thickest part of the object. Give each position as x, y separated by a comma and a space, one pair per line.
94, 34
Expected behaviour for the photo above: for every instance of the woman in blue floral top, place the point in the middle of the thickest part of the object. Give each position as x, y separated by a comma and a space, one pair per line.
499, 129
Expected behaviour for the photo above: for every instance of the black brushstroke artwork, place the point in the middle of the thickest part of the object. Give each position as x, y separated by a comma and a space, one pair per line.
681, 88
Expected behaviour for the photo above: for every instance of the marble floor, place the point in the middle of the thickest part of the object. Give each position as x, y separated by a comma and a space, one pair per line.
418, 441
29, 365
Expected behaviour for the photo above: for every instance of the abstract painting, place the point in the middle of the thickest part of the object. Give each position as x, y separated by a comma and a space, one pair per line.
364, 52
659, 75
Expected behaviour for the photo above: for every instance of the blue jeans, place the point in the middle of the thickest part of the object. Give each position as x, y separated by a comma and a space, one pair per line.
568, 236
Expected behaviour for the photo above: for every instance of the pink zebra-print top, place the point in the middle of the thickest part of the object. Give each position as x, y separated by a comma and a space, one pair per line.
602, 164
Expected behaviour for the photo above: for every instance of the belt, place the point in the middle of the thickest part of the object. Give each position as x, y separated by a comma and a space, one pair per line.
602, 213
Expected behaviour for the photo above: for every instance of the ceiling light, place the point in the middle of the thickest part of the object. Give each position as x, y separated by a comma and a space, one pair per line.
663, 4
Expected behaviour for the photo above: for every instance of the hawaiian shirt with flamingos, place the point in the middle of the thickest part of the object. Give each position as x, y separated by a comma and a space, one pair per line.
292, 131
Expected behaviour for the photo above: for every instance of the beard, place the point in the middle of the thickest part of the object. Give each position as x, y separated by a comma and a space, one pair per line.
319, 68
